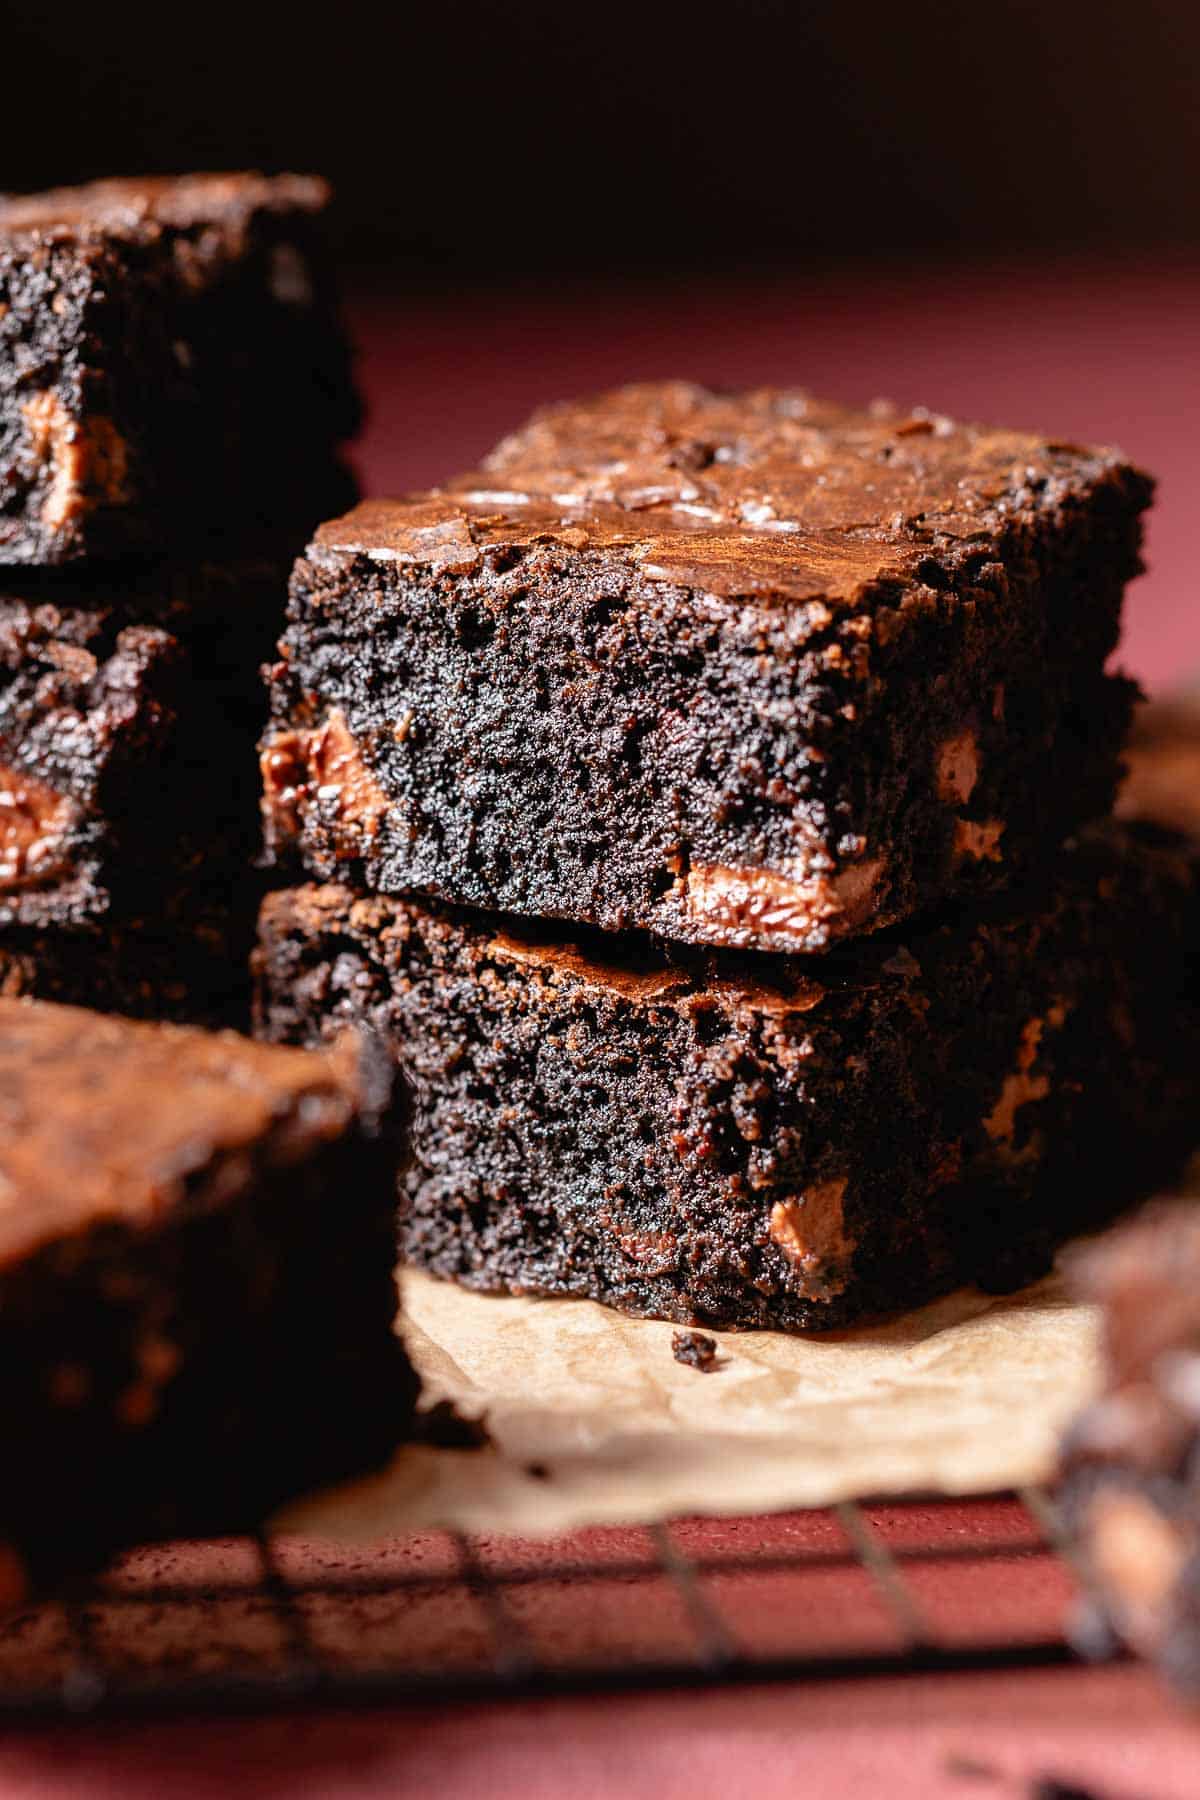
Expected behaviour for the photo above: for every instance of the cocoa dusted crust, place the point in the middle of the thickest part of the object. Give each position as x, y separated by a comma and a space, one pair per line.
1129, 1483
766, 1141
172, 367
196, 1297
746, 670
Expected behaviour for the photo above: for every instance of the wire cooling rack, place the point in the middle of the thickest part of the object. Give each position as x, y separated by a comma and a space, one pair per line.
251, 1624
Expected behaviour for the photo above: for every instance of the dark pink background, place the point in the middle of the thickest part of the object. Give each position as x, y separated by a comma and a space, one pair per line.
1107, 352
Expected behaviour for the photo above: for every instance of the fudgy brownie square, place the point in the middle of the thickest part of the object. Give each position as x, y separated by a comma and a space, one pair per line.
1131, 1461
767, 1141
751, 670
197, 1303
171, 363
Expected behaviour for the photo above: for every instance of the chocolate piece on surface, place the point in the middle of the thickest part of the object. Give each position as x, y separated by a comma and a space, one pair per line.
759, 1141
197, 1304
171, 364
695, 1349
751, 670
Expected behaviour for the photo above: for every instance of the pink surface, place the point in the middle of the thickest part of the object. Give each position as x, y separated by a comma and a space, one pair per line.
1111, 1730
967, 1737
1110, 354
1102, 353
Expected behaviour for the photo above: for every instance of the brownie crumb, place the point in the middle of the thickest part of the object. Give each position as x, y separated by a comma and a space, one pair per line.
694, 1349
445, 1428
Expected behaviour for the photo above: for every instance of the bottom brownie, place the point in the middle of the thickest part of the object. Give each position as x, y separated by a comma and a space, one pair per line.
767, 1141
197, 1302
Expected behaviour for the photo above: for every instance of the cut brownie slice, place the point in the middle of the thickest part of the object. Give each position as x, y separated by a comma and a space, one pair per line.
197, 1304
749, 671
1131, 1482
170, 356
763, 1141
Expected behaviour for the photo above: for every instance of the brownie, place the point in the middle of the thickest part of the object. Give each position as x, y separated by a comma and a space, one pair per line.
1130, 1491
197, 1304
130, 703
186, 960
171, 363
749, 671
791, 1142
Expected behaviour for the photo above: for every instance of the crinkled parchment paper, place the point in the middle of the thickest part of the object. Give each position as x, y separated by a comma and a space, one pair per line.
592, 1420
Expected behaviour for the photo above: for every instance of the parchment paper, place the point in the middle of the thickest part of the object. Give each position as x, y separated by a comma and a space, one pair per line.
592, 1420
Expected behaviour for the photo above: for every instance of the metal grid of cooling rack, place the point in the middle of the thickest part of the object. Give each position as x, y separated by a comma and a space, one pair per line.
256, 1625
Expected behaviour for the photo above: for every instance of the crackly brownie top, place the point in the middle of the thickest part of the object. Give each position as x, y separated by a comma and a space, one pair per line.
102, 1119
769, 493
141, 206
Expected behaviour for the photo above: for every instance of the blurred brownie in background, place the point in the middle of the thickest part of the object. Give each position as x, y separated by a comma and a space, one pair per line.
197, 1300
172, 365
754, 671
131, 702
1131, 1462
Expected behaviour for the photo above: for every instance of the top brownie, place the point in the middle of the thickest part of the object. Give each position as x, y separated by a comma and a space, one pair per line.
740, 669
171, 363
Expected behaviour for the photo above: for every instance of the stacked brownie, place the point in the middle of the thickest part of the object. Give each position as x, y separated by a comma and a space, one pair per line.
694, 797
174, 388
